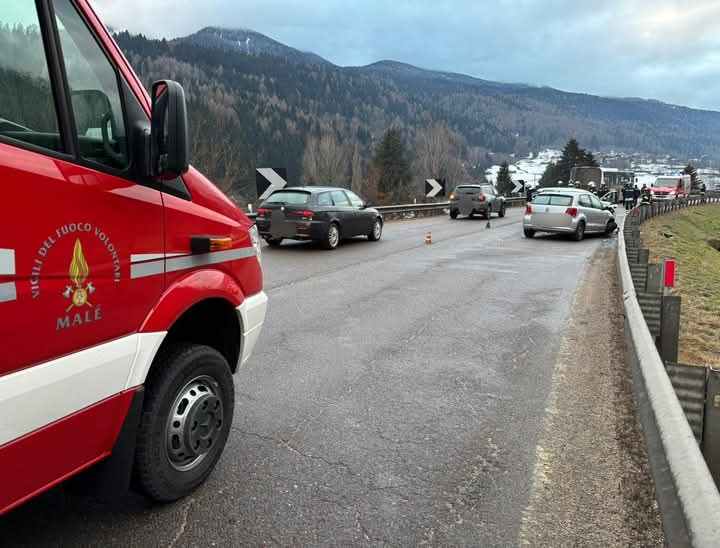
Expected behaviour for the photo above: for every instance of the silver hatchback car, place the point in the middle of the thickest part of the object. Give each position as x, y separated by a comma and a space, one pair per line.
568, 211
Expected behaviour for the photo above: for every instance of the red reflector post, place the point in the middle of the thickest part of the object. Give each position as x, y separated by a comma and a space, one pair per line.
669, 270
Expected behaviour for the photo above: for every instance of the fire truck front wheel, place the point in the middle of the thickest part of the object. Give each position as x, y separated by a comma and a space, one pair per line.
185, 422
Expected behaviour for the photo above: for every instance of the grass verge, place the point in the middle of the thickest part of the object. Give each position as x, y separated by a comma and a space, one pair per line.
691, 236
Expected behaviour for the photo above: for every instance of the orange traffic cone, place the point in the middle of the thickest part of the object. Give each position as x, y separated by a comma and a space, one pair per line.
428, 238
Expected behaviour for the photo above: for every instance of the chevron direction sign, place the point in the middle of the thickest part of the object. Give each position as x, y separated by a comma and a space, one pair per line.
268, 180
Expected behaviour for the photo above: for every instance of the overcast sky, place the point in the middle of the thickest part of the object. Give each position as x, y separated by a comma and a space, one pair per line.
642, 48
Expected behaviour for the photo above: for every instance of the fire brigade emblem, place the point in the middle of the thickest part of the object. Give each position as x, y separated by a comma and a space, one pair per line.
79, 292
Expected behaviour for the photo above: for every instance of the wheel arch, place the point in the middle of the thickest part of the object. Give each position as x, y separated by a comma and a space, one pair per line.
200, 308
212, 322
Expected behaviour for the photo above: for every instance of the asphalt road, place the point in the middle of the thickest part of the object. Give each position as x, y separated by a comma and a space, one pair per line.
397, 395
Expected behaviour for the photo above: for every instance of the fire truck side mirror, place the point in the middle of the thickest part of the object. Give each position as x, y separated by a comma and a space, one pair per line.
169, 145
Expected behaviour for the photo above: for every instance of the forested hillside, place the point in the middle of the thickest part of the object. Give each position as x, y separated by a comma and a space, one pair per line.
255, 103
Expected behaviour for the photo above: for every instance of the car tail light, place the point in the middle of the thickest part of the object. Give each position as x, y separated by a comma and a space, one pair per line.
528, 209
305, 214
572, 211
452, 195
481, 197
261, 212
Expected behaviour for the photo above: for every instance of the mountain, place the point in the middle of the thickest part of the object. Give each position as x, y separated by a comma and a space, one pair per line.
250, 42
416, 75
254, 101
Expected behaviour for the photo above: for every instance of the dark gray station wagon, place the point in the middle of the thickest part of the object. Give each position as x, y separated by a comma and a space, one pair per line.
323, 214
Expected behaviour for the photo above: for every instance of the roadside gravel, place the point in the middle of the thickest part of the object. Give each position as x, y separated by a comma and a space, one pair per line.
591, 484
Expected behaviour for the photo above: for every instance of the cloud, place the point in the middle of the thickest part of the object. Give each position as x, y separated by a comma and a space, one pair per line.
662, 49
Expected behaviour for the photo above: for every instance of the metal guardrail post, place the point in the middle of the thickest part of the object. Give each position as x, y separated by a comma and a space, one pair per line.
670, 328
654, 282
638, 268
690, 384
711, 429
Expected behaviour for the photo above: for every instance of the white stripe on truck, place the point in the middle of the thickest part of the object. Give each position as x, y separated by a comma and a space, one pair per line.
37, 396
172, 262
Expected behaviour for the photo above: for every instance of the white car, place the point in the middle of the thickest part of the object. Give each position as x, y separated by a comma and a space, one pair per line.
571, 211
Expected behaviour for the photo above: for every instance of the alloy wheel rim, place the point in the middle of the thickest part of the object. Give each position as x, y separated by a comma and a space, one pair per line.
377, 229
194, 423
333, 236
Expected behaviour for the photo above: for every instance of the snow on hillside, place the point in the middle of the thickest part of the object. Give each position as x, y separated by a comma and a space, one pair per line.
646, 169
528, 169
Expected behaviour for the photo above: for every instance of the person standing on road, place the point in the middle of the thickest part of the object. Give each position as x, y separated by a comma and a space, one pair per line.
646, 196
627, 196
636, 195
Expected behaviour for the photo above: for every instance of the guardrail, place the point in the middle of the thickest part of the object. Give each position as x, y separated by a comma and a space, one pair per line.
431, 208
684, 488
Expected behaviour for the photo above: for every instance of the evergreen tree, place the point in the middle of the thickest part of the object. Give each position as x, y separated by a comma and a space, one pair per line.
504, 183
572, 156
695, 181
392, 167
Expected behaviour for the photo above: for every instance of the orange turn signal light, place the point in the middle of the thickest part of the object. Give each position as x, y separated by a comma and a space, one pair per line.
220, 244
206, 244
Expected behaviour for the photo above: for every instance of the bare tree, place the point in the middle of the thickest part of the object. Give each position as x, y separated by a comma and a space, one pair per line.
221, 158
439, 152
356, 170
326, 160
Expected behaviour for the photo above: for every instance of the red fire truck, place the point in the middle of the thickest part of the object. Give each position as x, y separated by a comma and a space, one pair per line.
130, 286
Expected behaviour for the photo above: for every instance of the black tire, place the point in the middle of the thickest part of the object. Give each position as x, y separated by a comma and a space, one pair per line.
610, 228
501, 213
333, 236
274, 242
528, 232
579, 232
376, 232
180, 370
454, 214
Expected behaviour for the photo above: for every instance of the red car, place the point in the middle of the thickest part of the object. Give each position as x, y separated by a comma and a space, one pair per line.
130, 287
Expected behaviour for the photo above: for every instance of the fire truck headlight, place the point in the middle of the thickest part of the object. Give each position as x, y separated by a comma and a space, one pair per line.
255, 239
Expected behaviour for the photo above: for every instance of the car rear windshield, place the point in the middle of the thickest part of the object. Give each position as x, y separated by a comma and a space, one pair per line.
288, 197
553, 199
468, 189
